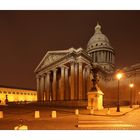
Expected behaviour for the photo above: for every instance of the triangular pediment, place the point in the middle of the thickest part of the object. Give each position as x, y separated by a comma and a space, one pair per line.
51, 57
55, 56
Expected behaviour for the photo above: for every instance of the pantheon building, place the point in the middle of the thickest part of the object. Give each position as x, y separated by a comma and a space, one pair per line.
65, 75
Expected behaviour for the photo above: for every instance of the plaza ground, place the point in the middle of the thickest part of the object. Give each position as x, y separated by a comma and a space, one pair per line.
106, 119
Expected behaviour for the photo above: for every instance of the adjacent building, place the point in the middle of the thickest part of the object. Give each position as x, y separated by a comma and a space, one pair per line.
14, 94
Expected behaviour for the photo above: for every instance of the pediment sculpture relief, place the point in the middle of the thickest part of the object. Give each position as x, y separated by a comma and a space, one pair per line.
51, 58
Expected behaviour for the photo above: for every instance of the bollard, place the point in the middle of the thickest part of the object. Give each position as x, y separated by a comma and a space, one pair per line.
37, 114
1, 114
108, 112
92, 111
54, 114
76, 112
21, 126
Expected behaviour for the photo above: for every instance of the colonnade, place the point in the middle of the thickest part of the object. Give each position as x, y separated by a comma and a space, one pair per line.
66, 82
103, 56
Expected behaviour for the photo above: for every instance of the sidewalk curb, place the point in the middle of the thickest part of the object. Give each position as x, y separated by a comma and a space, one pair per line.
118, 114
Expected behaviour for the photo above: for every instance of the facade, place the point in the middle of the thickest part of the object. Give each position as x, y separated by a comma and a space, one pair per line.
17, 95
65, 75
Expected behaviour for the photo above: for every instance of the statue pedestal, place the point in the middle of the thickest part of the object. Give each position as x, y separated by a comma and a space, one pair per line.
95, 100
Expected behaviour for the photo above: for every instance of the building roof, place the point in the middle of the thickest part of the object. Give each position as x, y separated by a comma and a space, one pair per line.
98, 40
14, 87
55, 57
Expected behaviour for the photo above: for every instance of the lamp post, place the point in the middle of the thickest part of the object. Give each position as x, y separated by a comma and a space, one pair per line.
119, 76
131, 86
139, 98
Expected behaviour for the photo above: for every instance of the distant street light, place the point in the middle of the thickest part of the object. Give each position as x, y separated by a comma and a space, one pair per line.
131, 86
118, 76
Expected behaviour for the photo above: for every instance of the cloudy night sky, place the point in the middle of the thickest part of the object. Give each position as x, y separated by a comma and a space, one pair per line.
26, 36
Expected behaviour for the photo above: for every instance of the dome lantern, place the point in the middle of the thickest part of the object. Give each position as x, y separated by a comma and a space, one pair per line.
97, 28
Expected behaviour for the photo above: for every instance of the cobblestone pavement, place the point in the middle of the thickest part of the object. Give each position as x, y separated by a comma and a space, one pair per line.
66, 119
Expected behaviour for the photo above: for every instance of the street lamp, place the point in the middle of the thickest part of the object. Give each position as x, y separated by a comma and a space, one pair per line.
131, 86
138, 97
118, 76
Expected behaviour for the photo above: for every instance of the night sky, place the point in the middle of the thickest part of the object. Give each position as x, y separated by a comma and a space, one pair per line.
26, 36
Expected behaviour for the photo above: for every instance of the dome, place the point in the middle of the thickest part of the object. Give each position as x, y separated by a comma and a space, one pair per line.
98, 39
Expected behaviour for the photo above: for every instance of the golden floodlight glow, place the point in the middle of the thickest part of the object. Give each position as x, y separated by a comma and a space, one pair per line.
131, 85
119, 76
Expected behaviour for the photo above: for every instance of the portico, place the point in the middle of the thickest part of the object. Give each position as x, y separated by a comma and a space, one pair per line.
64, 81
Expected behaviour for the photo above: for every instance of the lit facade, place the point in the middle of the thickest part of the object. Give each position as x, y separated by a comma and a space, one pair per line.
17, 95
65, 75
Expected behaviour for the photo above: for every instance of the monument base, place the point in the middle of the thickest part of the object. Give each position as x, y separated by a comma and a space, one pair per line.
95, 100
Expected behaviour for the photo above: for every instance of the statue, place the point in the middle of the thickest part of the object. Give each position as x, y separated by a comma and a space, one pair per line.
6, 100
95, 95
95, 80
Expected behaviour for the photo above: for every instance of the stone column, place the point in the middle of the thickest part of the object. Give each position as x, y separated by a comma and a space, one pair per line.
84, 80
42, 88
80, 80
72, 80
45, 81
94, 57
66, 96
38, 88
54, 84
88, 78
62, 83
76, 82
107, 56
48, 86
102, 56
99, 56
